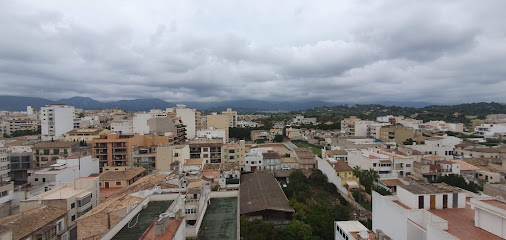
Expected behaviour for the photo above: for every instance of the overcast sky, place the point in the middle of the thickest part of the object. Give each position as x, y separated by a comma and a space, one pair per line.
357, 51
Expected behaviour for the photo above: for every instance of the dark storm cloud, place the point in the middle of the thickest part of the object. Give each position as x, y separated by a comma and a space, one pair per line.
345, 51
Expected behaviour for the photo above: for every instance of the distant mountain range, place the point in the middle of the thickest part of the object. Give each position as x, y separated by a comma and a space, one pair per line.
15, 103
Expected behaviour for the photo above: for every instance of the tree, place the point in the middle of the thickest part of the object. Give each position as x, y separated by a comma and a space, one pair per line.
278, 138
257, 229
408, 141
357, 172
299, 230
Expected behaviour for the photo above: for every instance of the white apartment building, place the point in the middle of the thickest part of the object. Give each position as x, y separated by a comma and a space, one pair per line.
271, 160
64, 170
189, 116
86, 122
56, 120
384, 119
254, 160
124, 127
387, 164
444, 126
443, 146
490, 130
352, 230
373, 129
299, 119
213, 134
437, 211
366, 159
140, 121
412, 123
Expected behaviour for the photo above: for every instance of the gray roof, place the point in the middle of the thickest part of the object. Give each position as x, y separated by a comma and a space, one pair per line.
260, 191
430, 188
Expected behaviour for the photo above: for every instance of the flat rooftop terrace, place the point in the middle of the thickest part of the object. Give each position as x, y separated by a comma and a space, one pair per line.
461, 223
63, 192
141, 223
220, 220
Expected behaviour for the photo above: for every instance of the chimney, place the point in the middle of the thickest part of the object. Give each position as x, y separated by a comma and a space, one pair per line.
159, 227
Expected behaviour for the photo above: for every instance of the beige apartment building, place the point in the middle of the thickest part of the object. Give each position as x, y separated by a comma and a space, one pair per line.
4, 165
232, 117
75, 198
114, 149
48, 151
207, 149
218, 122
233, 153
86, 134
305, 157
171, 157
396, 133
23, 123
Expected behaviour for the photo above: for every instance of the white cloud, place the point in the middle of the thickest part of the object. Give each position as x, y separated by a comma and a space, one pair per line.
342, 51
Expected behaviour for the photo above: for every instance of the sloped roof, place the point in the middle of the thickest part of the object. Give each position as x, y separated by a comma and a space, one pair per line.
331, 153
260, 191
194, 161
26, 222
128, 174
289, 160
271, 155
55, 144
341, 166
466, 166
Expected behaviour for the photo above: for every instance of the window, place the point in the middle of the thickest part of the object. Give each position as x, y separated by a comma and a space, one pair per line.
4, 193
46, 151
56, 151
36, 179
65, 151
73, 217
59, 226
72, 206
374, 164
408, 165
420, 202
43, 179
84, 201
37, 152
118, 183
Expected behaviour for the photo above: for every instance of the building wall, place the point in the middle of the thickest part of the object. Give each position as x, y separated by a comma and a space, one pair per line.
165, 155
88, 138
218, 122
213, 133
493, 191
189, 118
140, 123
125, 127
239, 153
389, 217
490, 222
232, 117
62, 121
397, 133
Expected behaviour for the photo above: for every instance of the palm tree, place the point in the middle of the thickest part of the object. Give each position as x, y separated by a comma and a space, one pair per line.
373, 177
357, 171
